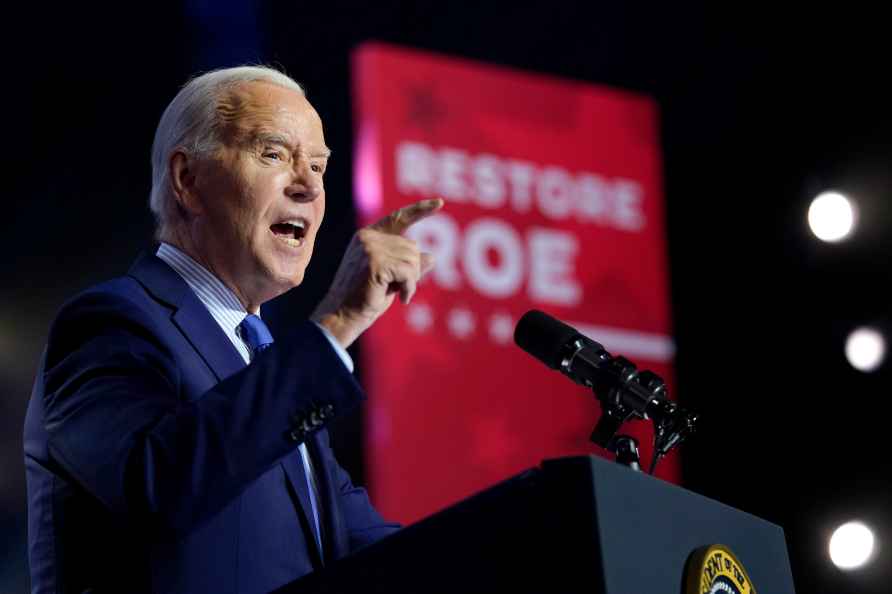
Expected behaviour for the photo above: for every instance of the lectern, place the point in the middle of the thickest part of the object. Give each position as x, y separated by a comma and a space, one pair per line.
572, 525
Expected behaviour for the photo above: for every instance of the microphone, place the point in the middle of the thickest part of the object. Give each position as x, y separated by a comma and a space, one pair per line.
624, 392
560, 347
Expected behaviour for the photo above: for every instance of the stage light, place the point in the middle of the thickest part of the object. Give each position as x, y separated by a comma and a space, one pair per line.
831, 216
851, 546
865, 349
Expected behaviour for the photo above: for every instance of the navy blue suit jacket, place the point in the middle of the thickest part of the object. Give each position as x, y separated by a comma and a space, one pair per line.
158, 462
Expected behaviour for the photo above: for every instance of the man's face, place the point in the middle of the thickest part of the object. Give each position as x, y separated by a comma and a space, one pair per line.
262, 197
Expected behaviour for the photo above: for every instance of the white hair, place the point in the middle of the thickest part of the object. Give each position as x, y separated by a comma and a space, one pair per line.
191, 123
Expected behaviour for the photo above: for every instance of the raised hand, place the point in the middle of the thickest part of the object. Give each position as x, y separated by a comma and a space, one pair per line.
379, 264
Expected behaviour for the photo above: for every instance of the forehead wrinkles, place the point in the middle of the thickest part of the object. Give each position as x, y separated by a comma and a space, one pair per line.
241, 113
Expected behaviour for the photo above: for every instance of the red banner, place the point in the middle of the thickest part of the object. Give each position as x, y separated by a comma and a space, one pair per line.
553, 202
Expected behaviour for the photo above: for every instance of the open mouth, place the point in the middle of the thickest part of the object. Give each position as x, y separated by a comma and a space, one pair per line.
291, 231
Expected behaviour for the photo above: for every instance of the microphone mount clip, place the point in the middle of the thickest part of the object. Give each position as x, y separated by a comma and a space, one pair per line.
625, 394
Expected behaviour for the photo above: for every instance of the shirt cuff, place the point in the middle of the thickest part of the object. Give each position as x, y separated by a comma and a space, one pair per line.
341, 351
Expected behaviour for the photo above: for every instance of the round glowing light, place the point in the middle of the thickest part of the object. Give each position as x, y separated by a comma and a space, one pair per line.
851, 545
865, 349
831, 216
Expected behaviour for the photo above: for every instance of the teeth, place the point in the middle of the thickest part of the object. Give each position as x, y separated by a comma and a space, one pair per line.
297, 228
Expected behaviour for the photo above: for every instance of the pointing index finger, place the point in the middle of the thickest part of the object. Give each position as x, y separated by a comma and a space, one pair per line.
403, 218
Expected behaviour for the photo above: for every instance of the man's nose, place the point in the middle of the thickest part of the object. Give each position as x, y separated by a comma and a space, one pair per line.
305, 186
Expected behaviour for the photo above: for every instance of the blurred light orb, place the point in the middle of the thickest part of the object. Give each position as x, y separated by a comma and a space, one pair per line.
831, 216
851, 545
865, 349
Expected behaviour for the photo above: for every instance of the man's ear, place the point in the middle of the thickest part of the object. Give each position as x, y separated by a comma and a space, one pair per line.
183, 176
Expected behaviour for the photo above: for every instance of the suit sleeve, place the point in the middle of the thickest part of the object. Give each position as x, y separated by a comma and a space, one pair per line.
364, 524
117, 424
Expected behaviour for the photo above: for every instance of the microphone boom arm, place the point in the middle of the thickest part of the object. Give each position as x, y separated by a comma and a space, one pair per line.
623, 391
625, 394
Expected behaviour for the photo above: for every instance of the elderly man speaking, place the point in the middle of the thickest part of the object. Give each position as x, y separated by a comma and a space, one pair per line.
171, 444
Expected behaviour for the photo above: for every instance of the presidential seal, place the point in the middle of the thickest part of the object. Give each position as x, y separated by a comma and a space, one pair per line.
715, 570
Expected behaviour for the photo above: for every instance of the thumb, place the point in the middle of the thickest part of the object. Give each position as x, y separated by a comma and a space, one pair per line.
427, 262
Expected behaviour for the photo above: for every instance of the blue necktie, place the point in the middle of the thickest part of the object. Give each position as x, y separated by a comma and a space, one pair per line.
255, 334
257, 337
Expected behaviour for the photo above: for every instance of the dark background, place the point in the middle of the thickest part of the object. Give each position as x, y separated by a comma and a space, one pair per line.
762, 108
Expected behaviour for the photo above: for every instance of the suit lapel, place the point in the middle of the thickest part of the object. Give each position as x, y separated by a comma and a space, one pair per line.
190, 315
206, 337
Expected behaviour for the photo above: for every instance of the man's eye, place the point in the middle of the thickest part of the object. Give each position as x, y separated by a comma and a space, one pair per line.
273, 155
317, 168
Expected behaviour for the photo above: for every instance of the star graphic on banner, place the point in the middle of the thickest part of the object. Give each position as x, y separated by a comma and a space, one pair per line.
424, 108
420, 317
461, 323
501, 328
